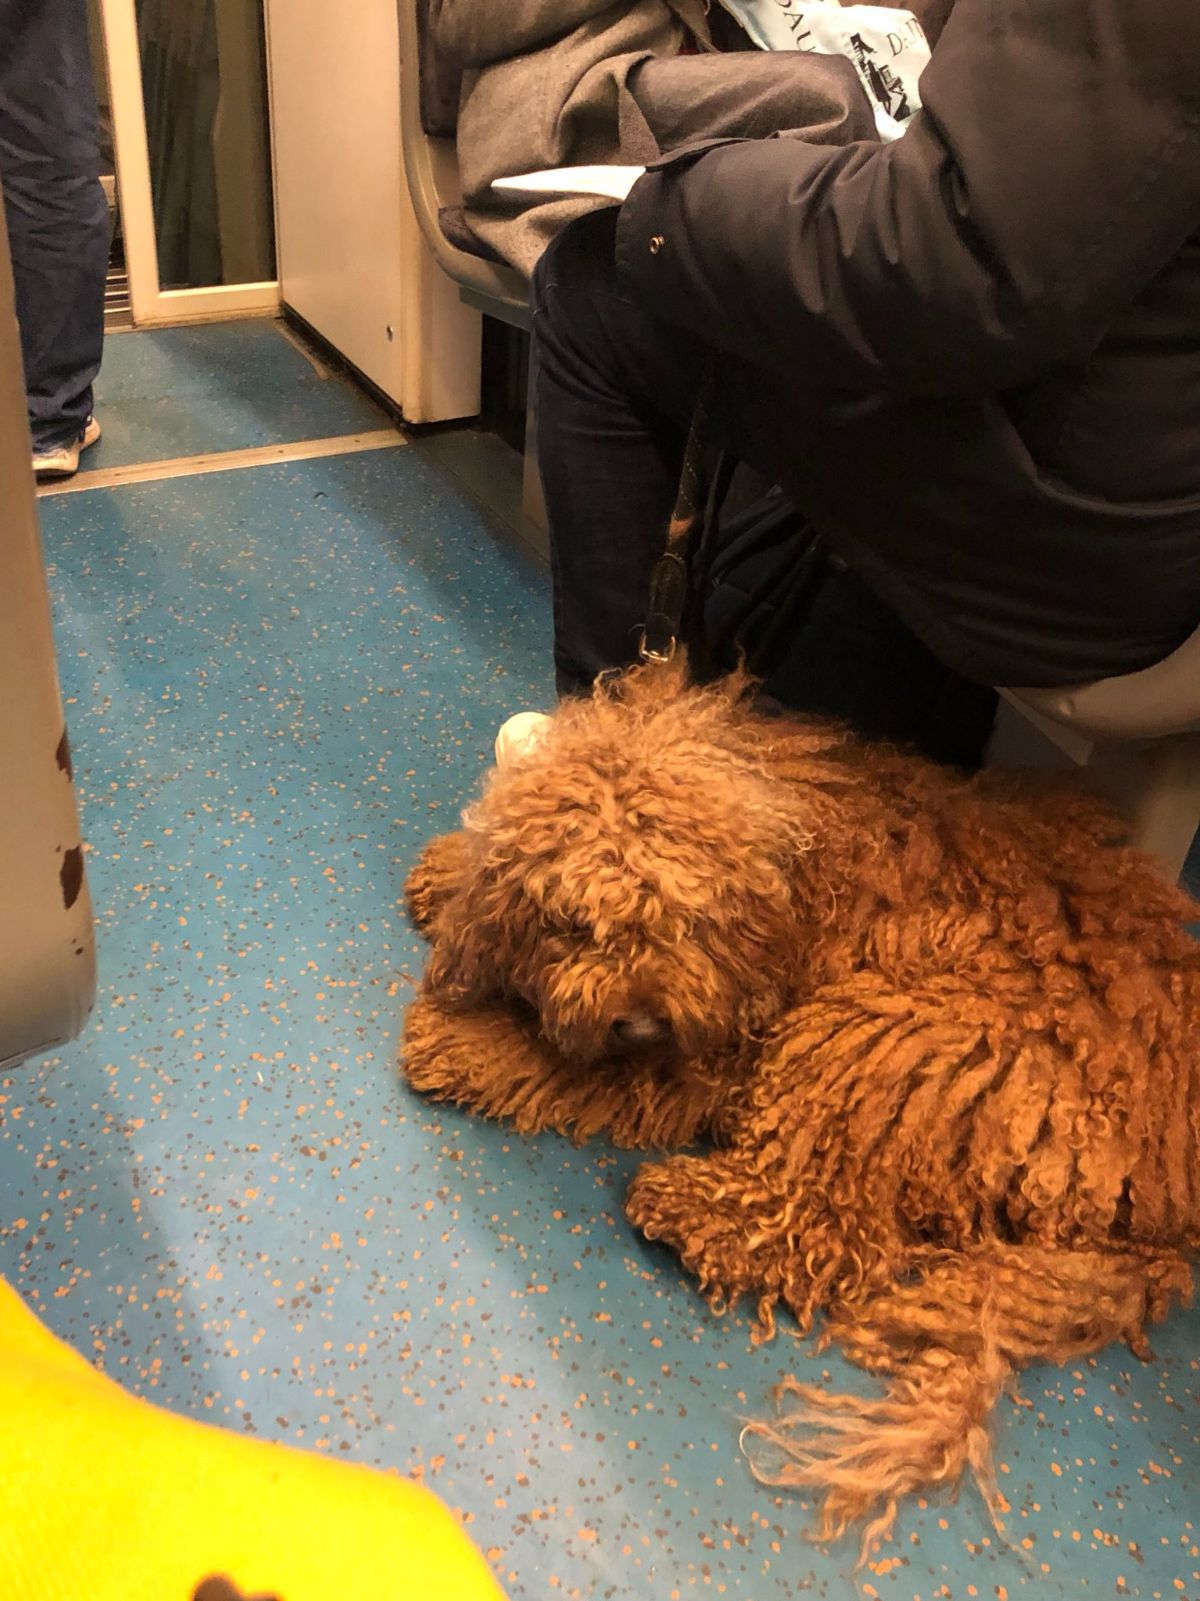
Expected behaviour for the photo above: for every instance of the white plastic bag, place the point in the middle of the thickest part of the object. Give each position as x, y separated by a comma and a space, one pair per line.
888, 48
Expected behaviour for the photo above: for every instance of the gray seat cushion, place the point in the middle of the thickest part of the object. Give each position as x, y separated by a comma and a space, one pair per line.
453, 223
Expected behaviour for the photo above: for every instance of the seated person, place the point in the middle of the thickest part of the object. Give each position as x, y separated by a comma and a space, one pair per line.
971, 357
563, 63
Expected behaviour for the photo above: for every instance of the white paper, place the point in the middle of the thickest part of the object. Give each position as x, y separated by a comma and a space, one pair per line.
611, 183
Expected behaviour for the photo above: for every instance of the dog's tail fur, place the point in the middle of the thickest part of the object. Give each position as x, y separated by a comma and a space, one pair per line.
949, 1341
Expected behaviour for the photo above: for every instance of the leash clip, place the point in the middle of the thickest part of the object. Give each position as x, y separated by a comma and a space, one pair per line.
653, 656
668, 597
669, 578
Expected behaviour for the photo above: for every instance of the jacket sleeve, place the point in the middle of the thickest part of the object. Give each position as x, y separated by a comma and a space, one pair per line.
1054, 171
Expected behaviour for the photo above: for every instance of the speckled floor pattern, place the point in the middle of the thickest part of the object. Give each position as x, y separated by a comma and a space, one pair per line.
169, 392
280, 682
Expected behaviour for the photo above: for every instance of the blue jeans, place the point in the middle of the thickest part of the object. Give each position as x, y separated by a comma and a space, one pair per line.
58, 224
615, 391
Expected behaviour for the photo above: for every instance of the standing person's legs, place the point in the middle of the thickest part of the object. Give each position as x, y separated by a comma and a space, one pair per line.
58, 220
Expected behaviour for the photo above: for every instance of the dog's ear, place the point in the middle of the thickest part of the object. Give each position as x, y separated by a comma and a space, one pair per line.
467, 939
444, 897
472, 938
444, 867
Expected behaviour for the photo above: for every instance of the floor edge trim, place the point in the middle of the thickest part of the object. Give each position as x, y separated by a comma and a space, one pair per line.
149, 472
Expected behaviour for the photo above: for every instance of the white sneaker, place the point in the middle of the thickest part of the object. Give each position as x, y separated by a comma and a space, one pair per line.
62, 461
518, 735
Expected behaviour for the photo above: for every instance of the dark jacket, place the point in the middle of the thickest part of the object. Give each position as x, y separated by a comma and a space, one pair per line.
978, 348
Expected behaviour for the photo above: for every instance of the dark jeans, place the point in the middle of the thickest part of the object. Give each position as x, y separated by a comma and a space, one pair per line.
615, 391
58, 224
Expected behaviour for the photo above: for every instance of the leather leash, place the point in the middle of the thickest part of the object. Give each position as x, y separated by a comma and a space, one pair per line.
669, 580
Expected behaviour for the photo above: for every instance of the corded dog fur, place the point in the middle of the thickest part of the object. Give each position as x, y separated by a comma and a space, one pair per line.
938, 1037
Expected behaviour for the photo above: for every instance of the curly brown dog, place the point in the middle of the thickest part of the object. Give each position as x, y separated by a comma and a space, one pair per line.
939, 1034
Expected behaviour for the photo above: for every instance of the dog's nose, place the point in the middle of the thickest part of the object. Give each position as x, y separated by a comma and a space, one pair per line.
640, 1028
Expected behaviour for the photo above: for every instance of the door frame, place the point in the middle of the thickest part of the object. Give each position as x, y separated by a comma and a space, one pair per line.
151, 305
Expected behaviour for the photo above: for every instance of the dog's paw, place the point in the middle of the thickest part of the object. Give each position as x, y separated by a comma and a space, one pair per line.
696, 1205
440, 871
493, 1063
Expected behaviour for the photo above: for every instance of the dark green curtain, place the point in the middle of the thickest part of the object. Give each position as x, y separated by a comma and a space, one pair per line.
181, 86
204, 82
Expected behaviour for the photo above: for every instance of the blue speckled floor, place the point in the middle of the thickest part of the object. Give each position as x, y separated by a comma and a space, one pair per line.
279, 683
188, 391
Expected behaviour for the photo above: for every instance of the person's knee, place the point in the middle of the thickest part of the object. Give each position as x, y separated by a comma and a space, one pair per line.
578, 267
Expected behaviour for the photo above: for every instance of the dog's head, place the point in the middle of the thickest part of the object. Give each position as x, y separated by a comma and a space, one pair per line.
632, 877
